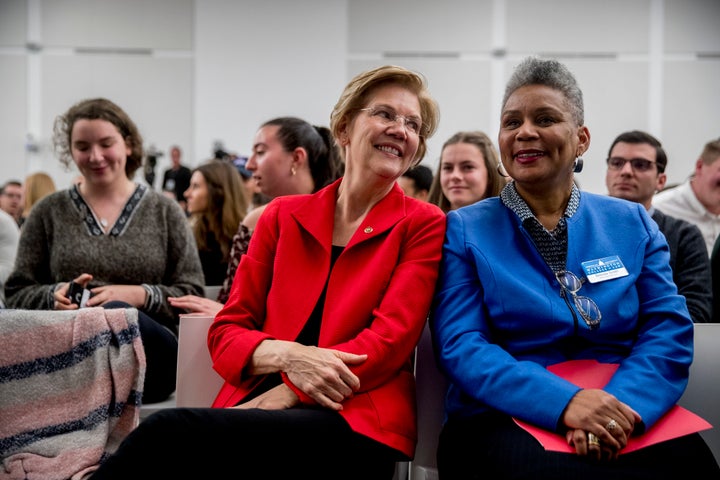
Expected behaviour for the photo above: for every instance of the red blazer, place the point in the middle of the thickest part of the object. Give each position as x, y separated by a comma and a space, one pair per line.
377, 301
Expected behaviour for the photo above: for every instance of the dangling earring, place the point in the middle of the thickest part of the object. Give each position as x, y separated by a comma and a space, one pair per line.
578, 165
501, 170
292, 171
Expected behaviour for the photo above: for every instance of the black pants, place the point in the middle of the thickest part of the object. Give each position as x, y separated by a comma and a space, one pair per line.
492, 446
200, 443
161, 351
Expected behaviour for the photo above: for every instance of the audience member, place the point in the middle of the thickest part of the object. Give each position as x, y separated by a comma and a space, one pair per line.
697, 200
127, 244
316, 340
715, 273
254, 197
416, 182
217, 203
176, 179
467, 172
9, 236
37, 186
507, 311
290, 156
11, 199
635, 171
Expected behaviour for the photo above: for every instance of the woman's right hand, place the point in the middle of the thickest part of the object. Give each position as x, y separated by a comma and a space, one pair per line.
280, 397
195, 304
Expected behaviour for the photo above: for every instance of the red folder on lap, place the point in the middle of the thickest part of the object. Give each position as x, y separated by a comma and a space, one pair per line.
677, 422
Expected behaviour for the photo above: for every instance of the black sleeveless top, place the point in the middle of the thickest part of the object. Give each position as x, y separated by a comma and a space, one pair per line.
308, 336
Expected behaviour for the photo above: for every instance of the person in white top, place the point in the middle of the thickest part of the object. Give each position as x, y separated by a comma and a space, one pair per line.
697, 200
9, 237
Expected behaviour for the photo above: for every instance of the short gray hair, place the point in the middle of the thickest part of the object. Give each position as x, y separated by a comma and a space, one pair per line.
551, 73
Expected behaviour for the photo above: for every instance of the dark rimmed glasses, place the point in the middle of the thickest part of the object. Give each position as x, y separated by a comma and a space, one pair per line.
586, 306
637, 164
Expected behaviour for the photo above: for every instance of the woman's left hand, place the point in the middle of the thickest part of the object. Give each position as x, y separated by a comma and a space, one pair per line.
581, 440
323, 373
131, 294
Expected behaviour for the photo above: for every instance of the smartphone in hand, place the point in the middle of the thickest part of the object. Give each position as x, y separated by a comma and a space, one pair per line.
78, 294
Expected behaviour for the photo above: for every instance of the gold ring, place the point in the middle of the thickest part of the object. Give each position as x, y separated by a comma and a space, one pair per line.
593, 440
612, 425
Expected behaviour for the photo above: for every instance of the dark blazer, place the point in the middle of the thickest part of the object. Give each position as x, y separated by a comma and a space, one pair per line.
690, 264
378, 297
715, 272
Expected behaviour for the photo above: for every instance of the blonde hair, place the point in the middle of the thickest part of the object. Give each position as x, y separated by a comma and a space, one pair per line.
355, 95
37, 186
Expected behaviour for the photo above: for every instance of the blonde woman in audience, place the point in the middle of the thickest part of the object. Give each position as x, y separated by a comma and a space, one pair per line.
467, 172
217, 203
290, 156
37, 186
316, 340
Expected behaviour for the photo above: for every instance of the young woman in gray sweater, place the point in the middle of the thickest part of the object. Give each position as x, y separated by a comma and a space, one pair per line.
127, 244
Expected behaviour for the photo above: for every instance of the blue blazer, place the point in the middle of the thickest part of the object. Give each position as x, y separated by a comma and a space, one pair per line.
499, 319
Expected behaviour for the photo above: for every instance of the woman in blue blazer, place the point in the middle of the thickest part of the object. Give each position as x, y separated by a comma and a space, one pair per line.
546, 274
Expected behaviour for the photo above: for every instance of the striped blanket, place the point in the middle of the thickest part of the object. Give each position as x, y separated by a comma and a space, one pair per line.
70, 389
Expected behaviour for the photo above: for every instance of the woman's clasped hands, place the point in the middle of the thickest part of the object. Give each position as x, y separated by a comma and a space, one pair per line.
323, 374
599, 425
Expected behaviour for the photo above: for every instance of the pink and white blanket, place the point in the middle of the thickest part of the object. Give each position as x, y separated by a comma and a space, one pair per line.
70, 389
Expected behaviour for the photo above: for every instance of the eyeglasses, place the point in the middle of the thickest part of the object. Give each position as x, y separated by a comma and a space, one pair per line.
639, 164
588, 309
387, 116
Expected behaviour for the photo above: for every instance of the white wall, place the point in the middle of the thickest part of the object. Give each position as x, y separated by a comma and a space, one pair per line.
193, 72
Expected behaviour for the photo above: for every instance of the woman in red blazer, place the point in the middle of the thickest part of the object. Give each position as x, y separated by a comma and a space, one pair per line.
316, 339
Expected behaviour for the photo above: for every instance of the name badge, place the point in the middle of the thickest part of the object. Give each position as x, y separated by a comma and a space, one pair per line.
604, 269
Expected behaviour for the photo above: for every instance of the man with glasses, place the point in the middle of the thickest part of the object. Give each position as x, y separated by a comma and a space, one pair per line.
697, 200
11, 199
636, 170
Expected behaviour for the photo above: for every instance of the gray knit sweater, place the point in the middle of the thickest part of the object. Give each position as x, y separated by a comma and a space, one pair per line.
151, 244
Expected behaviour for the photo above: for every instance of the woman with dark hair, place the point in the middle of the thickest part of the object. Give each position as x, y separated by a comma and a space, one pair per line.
216, 201
290, 156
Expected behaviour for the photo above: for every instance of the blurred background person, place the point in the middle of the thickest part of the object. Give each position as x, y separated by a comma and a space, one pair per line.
127, 244
467, 171
255, 196
11, 199
9, 238
216, 202
697, 199
636, 165
416, 182
715, 273
176, 178
37, 186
